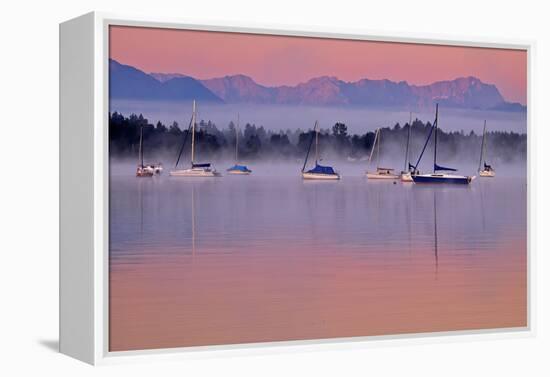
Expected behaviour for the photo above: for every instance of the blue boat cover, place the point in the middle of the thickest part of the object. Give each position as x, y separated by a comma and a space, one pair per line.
319, 169
440, 168
240, 168
206, 165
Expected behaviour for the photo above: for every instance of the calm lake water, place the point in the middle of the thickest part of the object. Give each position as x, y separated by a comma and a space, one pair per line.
269, 257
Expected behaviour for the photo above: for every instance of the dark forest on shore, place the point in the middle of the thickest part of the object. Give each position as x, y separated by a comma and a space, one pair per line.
257, 143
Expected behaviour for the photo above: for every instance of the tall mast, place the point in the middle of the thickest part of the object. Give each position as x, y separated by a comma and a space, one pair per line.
481, 155
309, 148
237, 141
193, 121
408, 141
435, 139
316, 146
373, 145
141, 145
378, 153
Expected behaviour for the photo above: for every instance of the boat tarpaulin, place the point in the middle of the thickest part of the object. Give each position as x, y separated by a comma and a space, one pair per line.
441, 168
239, 168
319, 169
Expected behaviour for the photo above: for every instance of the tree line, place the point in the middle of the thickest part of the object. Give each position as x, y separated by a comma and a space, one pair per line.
163, 141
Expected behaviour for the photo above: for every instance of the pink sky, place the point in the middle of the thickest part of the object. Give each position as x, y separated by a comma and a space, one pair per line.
281, 60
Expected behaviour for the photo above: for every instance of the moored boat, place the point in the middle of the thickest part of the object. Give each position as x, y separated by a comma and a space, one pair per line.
319, 172
142, 170
238, 169
381, 172
196, 169
436, 176
487, 171
442, 178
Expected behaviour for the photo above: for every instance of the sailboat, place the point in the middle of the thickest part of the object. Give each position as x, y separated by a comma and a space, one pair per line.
142, 170
381, 173
487, 170
406, 175
196, 170
437, 177
238, 169
319, 171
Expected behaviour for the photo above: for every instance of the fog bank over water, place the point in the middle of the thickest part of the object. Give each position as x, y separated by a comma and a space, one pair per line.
358, 120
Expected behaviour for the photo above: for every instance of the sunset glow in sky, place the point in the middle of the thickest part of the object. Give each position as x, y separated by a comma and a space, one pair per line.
282, 60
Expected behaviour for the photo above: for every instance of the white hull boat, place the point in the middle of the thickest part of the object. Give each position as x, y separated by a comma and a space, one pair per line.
320, 176
142, 169
380, 173
487, 173
319, 172
238, 172
406, 176
196, 170
485, 170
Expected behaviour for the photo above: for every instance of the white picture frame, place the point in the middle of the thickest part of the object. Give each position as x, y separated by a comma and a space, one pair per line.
84, 190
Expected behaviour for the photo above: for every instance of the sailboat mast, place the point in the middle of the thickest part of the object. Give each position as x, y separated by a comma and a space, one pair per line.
378, 153
435, 138
141, 146
482, 146
237, 141
316, 146
373, 145
408, 141
193, 121
309, 147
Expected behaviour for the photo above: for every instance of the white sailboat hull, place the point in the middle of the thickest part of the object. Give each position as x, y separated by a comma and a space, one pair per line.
330, 177
406, 177
487, 173
142, 172
381, 176
238, 172
195, 172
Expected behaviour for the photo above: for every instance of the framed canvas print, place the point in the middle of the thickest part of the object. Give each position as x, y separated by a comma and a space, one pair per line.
228, 187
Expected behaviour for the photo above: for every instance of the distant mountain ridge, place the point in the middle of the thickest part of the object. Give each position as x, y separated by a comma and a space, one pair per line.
464, 92
127, 82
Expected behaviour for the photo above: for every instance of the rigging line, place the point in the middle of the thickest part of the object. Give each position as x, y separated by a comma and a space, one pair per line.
309, 148
426, 143
184, 141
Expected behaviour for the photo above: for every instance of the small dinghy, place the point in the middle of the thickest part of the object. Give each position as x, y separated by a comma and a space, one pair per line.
196, 170
437, 177
238, 169
487, 171
319, 172
380, 173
